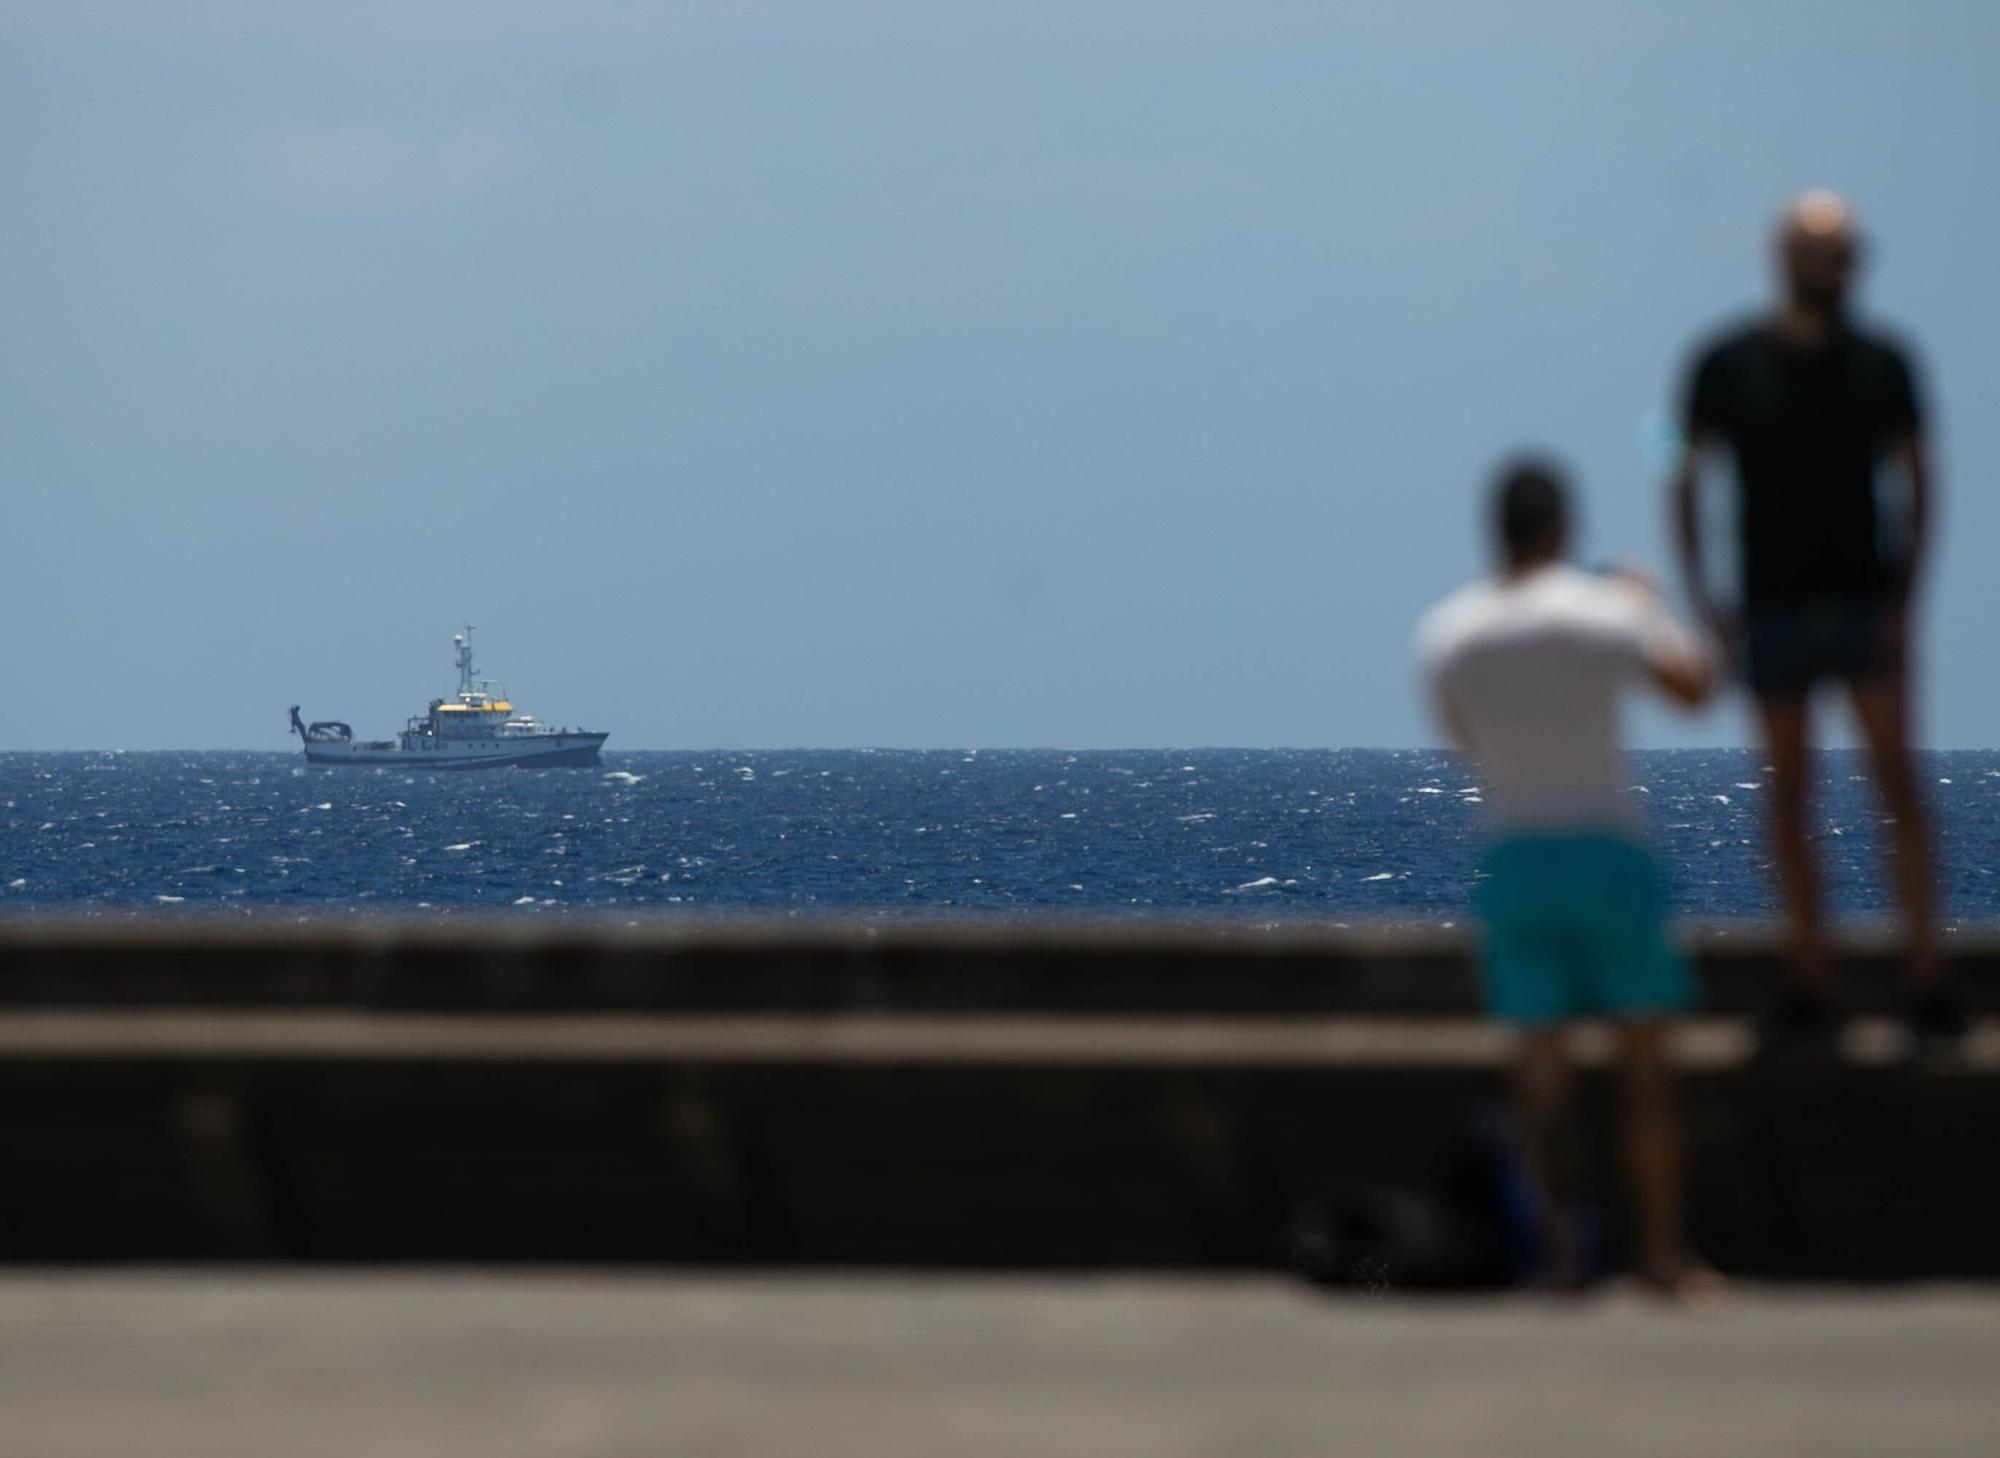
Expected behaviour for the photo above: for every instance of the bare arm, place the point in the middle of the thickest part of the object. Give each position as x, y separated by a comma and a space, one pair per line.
1674, 660
1685, 490
1687, 675
1914, 457
1448, 717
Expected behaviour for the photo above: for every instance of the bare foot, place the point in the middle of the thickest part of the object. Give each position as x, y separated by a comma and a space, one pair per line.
1689, 1281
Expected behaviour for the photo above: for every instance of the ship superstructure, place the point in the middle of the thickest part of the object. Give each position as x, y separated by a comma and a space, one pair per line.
477, 728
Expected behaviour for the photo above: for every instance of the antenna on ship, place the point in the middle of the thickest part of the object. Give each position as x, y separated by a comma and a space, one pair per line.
463, 642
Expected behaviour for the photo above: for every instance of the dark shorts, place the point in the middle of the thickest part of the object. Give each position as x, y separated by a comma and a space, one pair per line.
1789, 650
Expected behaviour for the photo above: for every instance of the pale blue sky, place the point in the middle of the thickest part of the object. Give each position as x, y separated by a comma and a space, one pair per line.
901, 374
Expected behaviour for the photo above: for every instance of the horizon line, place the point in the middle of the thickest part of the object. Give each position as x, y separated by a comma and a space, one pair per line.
1013, 749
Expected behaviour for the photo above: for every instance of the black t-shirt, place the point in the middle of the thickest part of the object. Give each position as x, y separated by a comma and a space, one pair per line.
1808, 428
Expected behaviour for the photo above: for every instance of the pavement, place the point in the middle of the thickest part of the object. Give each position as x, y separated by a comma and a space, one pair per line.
243, 1362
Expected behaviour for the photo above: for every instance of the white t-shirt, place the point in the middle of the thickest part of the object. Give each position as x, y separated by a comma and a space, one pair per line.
1531, 672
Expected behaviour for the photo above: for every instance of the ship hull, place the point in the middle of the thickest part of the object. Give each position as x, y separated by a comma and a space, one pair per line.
559, 752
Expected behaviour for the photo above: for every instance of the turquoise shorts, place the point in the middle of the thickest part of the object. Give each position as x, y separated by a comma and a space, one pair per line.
1576, 928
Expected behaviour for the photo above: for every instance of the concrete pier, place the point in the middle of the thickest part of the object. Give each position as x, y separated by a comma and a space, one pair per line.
905, 1094
633, 1364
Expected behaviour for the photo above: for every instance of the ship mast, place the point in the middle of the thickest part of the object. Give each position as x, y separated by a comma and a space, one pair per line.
463, 642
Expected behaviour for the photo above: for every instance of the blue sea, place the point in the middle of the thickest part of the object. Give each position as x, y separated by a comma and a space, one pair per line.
1263, 835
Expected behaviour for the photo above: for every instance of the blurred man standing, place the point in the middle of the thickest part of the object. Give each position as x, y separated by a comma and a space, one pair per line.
1811, 406
1527, 668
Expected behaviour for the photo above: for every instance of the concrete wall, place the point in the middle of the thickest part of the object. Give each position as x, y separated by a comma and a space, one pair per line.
901, 1093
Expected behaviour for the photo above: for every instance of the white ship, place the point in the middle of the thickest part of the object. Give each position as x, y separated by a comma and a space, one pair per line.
479, 729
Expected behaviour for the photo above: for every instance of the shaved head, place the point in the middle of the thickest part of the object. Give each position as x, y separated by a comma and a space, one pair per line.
1819, 241
1817, 214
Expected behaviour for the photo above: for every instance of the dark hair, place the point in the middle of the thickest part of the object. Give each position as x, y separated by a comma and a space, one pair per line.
1530, 506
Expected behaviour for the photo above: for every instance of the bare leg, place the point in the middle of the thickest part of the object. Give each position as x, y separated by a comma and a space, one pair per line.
1785, 737
1652, 1146
1542, 1108
1882, 705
